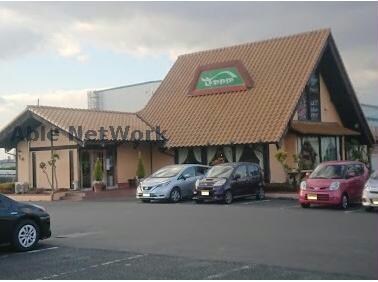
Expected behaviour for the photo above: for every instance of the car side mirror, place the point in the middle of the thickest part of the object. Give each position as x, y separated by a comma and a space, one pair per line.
350, 174
237, 176
186, 176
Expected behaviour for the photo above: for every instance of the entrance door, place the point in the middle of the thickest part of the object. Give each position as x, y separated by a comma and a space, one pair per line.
34, 169
86, 177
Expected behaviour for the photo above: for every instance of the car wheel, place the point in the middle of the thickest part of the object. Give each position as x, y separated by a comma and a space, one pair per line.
199, 201
260, 194
175, 196
305, 206
228, 197
26, 235
344, 202
146, 201
369, 209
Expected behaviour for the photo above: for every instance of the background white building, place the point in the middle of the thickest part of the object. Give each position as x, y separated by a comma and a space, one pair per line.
371, 114
128, 98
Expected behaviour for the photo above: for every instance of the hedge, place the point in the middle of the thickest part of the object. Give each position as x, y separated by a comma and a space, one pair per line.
7, 188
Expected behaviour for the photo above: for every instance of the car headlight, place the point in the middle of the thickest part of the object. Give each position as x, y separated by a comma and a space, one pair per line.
196, 184
367, 187
220, 182
162, 184
303, 185
334, 185
140, 187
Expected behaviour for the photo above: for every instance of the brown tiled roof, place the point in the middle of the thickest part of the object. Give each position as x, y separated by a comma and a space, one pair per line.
63, 118
279, 68
321, 128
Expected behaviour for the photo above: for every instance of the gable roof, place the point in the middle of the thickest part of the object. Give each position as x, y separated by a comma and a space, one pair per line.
280, 69
63, 118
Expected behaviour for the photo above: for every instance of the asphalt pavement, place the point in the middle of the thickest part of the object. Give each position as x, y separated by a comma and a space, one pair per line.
270, 239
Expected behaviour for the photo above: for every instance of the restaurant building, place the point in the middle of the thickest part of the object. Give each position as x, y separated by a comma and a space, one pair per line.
239, 103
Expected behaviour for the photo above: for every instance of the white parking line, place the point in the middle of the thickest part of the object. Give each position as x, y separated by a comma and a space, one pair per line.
93, 266
41, 250
225, 273
255, 202
76, 235
352, 211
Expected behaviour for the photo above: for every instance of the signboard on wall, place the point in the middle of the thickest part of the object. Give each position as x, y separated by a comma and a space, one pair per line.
220, 78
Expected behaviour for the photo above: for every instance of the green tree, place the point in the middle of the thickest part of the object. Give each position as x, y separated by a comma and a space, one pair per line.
140, 173
52, 163
295, 171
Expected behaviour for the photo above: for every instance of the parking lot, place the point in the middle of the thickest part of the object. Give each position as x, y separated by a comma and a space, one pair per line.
246, 240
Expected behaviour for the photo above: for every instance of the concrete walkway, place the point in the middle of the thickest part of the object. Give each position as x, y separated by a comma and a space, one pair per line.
281, 195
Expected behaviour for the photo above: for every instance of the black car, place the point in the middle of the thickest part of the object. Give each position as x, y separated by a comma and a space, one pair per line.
22, 225
228, 181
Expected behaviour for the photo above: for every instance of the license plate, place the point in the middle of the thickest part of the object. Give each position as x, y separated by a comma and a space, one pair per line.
375, 201
146, 194
205, 193
312, 197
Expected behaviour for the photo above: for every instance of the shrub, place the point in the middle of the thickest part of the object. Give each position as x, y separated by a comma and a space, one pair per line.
98, 170
140, 173
7, 188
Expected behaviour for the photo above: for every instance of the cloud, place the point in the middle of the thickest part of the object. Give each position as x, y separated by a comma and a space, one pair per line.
160, 28
12, 104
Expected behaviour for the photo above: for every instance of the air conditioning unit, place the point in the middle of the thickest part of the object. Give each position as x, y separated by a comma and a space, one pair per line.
21, 187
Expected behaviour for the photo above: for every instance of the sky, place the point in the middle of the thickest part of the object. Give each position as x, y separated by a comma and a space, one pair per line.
56, 52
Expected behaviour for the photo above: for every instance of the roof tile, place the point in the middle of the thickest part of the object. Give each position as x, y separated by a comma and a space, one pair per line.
280, 69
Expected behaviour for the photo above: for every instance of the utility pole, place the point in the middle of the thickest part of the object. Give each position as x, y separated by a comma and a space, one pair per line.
52, 160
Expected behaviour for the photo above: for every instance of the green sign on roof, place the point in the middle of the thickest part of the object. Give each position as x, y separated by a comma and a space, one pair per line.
217, 78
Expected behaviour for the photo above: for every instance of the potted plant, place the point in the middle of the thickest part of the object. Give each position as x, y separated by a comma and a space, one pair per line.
141, 172
98, 184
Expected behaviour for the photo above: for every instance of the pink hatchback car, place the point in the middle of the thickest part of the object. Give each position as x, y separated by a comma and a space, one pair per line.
334, 183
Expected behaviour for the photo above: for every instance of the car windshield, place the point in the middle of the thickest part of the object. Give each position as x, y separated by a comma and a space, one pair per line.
374, 175
167, 172
334, 171
220, 171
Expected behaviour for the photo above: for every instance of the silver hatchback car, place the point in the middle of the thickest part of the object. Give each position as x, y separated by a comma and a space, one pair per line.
370, 193
173, 183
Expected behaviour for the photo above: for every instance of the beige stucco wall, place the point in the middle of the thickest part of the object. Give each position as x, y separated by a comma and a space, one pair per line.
60, 140
328, 110
160, 159
288, 144
127, 159
24, 165
277, 173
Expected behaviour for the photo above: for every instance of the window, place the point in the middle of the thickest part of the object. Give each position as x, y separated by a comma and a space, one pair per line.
316, 149
253, 170
359, 169
309, 104
189, 172
200, 170
329, 148
309, 152
242, 171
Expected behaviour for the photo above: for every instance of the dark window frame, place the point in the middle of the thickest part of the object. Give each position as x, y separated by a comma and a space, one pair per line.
306, 95
319, 137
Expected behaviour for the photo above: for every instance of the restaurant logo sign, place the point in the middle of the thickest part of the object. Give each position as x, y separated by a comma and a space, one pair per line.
220, 77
